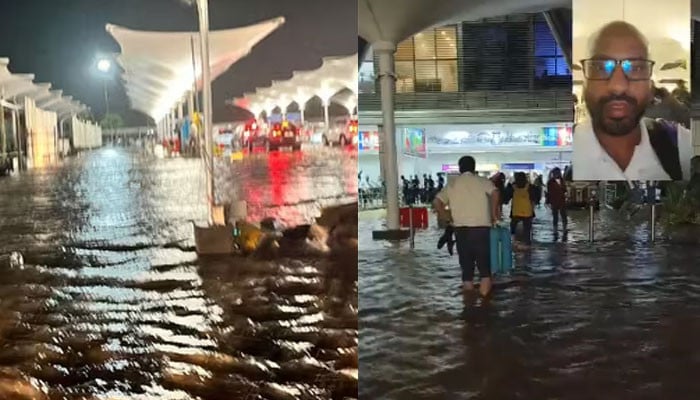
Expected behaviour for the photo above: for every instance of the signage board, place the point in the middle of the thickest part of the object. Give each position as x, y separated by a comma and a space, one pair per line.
414, 142
518, 166
368, 141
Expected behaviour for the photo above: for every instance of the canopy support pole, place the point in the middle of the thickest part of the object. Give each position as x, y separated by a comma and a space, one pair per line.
389, 158
203, 8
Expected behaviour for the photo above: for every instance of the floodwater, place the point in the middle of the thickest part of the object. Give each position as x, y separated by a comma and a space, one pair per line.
616, 319
112, 302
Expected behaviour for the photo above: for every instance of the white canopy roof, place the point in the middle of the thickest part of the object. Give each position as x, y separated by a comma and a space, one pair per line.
158, 65
335, 74
19, 86
396, 20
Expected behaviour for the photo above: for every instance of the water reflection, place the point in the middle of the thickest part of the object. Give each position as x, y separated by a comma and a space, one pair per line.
616, 319
296, 184
113, 303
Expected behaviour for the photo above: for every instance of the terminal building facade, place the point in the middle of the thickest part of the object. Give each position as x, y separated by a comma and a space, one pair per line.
498, 89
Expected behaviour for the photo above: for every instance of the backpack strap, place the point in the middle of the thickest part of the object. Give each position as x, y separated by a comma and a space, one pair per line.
663, 136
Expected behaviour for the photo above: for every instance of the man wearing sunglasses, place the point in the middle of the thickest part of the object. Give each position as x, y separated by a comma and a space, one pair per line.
616, 143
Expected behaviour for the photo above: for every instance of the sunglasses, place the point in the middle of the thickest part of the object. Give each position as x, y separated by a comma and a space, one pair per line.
602, 69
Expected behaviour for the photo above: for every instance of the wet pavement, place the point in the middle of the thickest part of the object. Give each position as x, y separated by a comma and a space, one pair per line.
617, 319
112, 302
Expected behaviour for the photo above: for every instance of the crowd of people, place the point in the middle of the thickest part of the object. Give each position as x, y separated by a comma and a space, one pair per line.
525, 197
472, 204
414, 193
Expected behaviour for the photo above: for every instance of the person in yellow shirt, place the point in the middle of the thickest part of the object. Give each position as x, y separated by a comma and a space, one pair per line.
524, 196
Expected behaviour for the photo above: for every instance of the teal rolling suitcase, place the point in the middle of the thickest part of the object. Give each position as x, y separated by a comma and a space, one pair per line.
501, 250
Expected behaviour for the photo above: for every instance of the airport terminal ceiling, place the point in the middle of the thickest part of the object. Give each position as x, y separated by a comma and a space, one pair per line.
396, 20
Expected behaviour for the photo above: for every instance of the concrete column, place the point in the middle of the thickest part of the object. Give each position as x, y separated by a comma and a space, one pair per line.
180, 111
351, 105
18, 139
168, 124
301, 102
171, 119
326, 103
389, 161
190, 103
3, 129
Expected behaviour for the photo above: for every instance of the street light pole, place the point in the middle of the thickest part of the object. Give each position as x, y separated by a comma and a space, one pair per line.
203, 10
104, 83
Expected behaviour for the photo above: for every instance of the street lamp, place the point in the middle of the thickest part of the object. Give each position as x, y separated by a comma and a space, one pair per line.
104, 65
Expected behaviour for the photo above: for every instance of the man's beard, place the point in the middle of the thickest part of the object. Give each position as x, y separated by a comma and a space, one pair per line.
614, 126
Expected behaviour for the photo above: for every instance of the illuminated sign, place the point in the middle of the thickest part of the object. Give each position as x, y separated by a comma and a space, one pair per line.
518, 166
414, 142
369, 140
556, 136
454, 168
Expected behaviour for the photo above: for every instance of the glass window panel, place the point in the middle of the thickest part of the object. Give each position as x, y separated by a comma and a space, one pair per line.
425, 45
562, 67
446, 42
366, 77
425, 70
404, 51
558, 49
540, 66
426, 77
447, 74
405, 76
369, 56
545, 45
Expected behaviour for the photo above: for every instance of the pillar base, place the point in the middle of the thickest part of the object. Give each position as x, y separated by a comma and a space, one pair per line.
391, 234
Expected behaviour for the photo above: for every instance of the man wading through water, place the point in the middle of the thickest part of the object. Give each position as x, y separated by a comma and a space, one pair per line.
474, 208
616, 144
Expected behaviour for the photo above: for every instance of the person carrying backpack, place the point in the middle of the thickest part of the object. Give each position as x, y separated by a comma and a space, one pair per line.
523, 196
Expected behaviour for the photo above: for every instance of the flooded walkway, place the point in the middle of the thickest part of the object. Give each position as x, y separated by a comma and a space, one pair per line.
613, 320
112, 303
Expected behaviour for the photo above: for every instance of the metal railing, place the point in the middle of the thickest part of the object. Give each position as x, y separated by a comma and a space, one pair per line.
473, 100
371, 198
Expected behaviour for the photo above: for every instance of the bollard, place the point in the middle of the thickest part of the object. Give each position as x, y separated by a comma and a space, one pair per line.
590, 222
591, 211
410, 227
651, 198
653, 221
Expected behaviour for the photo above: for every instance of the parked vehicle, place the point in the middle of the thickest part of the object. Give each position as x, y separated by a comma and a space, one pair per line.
342, 133
284, 134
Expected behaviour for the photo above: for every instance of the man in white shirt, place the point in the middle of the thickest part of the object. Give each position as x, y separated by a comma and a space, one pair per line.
615, 143
474, 206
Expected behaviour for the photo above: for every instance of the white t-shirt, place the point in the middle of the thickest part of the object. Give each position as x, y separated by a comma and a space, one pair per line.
592, 163
468, 197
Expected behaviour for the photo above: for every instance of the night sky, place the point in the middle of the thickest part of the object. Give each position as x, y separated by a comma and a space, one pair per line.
58, 42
